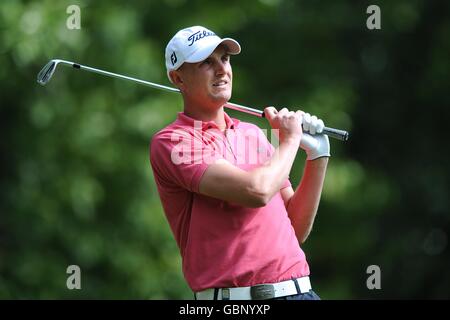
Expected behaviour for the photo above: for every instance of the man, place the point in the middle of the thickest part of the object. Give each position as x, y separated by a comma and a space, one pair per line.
225, 189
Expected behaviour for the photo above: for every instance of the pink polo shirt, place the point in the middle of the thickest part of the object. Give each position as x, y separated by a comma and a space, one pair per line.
222, 244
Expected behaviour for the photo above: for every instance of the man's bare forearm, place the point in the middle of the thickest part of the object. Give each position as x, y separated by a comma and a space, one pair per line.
269, 178
303, 205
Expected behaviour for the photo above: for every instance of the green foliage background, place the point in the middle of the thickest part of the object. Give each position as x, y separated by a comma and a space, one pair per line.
76, 185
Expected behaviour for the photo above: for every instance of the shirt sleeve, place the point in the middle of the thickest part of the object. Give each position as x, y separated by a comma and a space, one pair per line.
180, 159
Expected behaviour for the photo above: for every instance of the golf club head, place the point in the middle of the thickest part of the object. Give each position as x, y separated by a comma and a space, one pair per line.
47, 71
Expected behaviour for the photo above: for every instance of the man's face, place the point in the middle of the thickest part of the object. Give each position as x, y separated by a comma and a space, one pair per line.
208, 81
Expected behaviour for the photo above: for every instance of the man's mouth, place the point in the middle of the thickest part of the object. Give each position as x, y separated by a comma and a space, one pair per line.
220, 83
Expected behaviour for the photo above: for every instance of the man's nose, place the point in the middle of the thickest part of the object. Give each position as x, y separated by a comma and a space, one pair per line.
220, 67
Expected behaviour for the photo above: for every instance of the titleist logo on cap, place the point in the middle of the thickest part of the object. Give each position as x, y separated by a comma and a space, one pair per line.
199, 35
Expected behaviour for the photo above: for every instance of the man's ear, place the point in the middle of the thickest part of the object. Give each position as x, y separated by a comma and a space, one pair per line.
176, 78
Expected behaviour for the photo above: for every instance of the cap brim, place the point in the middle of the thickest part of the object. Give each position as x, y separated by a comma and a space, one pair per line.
232, 45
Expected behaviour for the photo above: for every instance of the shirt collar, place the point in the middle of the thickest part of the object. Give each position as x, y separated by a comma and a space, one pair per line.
231, 123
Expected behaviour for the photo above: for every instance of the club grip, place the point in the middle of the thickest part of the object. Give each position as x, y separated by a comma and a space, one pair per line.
336, 133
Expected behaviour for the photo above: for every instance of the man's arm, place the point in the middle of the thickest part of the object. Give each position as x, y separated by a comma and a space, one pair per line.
303, 204
255, 188
252, 188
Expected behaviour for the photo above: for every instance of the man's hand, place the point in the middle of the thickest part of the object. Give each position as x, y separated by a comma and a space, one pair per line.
288, 124
315, 144
312, 124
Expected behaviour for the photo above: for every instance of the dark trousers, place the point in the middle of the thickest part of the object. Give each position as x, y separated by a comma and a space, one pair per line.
311, 295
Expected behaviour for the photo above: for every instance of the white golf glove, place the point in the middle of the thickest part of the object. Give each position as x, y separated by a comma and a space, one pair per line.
314, 143
311, 124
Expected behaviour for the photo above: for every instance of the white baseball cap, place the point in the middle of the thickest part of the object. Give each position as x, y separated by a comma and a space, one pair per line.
195, 44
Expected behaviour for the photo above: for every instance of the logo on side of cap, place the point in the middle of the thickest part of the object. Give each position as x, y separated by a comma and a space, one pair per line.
173, 58
199, 35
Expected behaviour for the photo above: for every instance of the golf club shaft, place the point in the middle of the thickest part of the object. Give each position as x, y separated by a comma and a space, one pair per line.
331, 132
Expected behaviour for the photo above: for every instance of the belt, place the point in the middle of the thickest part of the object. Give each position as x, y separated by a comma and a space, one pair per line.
257, 292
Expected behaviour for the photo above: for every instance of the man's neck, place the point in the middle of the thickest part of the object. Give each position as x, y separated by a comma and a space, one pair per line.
206, 115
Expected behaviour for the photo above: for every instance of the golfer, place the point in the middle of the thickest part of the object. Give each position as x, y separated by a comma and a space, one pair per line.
225, 189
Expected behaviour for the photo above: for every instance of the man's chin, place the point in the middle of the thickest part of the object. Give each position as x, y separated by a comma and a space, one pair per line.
221, 99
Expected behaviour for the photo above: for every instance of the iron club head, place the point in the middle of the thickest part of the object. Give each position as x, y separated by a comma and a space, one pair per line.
47, 71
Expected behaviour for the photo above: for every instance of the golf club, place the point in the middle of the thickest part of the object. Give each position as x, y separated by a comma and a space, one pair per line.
48, 70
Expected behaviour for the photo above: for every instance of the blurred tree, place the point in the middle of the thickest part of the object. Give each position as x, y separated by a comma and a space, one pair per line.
76, 186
